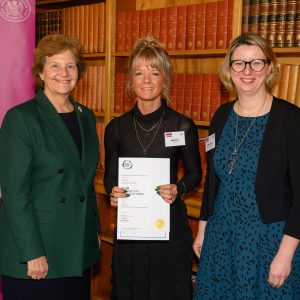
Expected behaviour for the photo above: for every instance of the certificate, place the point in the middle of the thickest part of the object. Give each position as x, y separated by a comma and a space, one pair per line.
144, 215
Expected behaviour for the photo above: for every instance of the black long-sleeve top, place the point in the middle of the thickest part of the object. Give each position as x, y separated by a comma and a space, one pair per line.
121, 141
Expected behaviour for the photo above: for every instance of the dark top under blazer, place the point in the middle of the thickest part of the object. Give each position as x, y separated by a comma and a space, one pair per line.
277, 184
49, 202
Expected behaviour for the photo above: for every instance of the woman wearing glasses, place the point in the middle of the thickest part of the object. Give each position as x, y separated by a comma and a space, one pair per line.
249, 226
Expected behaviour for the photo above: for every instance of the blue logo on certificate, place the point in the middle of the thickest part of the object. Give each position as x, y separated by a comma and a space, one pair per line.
127, 164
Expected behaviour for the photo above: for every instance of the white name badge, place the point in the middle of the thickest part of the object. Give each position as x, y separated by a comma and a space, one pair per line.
210, 142
175, 138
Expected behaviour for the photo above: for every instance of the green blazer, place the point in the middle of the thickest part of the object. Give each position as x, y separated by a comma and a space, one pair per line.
49, 203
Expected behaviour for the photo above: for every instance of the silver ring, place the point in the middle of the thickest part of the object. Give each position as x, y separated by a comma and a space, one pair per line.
112, 195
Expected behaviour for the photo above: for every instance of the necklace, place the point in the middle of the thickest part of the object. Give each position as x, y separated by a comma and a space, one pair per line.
232, 164
147, 130
156, 125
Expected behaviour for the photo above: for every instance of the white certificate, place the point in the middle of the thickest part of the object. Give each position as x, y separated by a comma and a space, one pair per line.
144, 215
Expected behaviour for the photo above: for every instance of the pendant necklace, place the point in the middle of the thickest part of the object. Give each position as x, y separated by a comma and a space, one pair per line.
232, 164
156, 125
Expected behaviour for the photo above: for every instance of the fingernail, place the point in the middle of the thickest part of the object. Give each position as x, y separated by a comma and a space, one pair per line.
127, 195
125, 191
157, 188
158, 193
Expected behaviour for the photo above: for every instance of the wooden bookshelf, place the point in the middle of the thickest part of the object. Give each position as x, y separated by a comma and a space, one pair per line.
184, 61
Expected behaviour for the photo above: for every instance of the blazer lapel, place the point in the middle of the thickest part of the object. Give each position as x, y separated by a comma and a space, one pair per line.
58, 128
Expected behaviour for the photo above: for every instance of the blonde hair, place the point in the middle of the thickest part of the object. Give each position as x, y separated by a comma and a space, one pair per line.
53, 44
255, 40
151, 51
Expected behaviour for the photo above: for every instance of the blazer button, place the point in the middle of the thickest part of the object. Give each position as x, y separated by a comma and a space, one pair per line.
61, 171
63, 199
82, 198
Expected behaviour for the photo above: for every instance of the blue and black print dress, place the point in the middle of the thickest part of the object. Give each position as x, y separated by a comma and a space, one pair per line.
238, 248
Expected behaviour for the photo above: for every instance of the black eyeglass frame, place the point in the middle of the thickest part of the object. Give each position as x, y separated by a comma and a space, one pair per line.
265, 61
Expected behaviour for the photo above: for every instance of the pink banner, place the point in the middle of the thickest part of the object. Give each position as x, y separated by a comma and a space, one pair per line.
17, 35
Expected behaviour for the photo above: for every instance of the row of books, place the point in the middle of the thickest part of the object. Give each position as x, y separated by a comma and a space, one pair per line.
89, 90
86, 22
47, 22
288, 86
195, 95
100, 128
188, 27
277, 21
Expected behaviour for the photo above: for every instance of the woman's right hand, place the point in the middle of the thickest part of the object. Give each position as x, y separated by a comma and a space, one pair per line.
37, 268
197, 246
116, 193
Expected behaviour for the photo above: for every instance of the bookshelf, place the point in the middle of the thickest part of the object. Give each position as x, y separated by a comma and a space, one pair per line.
76, 14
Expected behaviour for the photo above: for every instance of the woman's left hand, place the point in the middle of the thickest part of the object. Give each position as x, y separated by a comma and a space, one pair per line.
280, 270
168, 192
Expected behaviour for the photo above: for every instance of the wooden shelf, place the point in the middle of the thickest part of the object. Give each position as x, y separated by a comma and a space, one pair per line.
193, 53
107, 236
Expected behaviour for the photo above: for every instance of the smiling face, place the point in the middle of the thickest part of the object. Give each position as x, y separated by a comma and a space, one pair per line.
147, 82
249, 81
60, 75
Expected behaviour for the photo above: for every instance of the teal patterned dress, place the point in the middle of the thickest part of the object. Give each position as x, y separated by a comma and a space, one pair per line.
238, 248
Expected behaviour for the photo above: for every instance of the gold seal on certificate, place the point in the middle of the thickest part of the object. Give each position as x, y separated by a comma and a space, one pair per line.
160, 223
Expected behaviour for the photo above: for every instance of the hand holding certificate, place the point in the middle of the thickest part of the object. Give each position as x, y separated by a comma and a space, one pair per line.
144, 215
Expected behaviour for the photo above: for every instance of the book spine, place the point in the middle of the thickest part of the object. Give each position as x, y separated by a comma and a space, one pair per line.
135, 21
81, 24
171, 27
94, 70
289, 37
200, 26
180, 92
142, 23
173, 91
163, 26
211, 25
254, 15
215, 95
86, 26
203, 160
284, 81
90, 29
222, 24
119, 92
196, 97
191, 27
293, 82
95, 24
126, 99
264, 7
181, 27
120, 31
100, 85
230, 18
297, 94
272, 24
156, 22
128, 19
246, 16
188, 94
149, 18
205, 97
280, 24
297, 26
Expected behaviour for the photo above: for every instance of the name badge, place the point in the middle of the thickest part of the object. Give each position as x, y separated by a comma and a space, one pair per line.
175, 138
210, 142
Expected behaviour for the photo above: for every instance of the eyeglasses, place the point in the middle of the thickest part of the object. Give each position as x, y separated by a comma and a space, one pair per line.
256, 65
